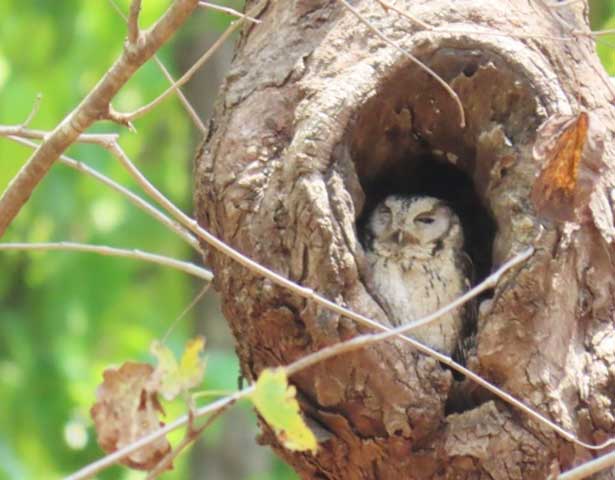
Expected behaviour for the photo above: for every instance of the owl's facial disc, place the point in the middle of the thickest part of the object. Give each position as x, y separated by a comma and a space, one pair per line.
402, 238
431, 225
410, 227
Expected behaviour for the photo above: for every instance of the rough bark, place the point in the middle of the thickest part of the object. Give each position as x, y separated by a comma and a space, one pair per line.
317, 120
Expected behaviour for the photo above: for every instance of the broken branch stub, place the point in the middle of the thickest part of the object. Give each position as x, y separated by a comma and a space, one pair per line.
319, 120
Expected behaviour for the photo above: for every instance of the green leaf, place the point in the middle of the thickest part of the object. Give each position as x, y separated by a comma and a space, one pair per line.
275, 401
172, 378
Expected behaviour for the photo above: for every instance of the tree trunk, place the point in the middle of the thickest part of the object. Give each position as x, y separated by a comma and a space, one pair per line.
317, 121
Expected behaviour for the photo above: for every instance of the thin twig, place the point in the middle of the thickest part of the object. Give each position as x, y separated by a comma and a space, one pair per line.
171, 455
182, 98
355, 343
128, 117
363, 340
135, 254
21, 131
190, 436
211, 393
309, 294
588, 468
444, 30
599, 33
95, 467
416, 61
184, 101
439, 29
564, 3
133, 21
194, 301
387, 6
305, 362
551, 12
35, 108
93, 107
219, 245
156, 214
230, 11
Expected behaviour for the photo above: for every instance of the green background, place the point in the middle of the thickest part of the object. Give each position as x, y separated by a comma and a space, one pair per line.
65, 317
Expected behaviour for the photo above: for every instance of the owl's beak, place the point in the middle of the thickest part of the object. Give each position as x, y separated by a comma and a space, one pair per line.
405, 238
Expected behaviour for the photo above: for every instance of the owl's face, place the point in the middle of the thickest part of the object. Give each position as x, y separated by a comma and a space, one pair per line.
413, 227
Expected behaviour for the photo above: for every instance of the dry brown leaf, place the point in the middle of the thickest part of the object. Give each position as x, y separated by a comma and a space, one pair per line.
125, 411
572, 161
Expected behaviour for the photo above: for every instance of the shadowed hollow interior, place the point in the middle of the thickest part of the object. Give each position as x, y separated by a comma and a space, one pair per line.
407, 138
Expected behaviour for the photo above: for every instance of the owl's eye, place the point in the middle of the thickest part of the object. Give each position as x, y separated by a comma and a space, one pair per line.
424, 219
385, 213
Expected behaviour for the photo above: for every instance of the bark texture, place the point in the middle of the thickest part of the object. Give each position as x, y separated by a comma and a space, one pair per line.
318, 120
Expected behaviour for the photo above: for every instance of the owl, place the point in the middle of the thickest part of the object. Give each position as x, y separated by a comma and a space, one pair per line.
418, 265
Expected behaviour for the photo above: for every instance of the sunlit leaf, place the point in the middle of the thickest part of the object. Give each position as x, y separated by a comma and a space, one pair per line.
171, 378
275, 401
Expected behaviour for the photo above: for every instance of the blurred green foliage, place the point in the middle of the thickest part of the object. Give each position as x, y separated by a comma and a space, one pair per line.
603, 18
64, 317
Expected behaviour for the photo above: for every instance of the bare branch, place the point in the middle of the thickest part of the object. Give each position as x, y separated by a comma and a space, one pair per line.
599, 33
167, 460
133, 22
387, 6
338, 349
35, 108
548, 6
107, 461
228, 10
189, 108
126, 118
309, 294
132, 197
588, 468
564, 3
135, 254
94, 107
476, 31
22, 131
190, 436
416, 61
194, 301
363, 340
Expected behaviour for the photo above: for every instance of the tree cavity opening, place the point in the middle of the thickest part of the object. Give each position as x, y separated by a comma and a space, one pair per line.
406, 139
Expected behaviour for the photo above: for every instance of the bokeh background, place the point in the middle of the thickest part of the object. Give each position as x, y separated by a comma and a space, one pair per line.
65, 317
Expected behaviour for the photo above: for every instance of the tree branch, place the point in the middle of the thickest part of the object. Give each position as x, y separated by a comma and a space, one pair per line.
185, 267
132, 197
406, 53
310, 294
107, 461
35, 107
133, 22
388, 6
126, 118
230, 11
22, 131
350, 345
94, 107
184, 101
589, 468
191, 436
